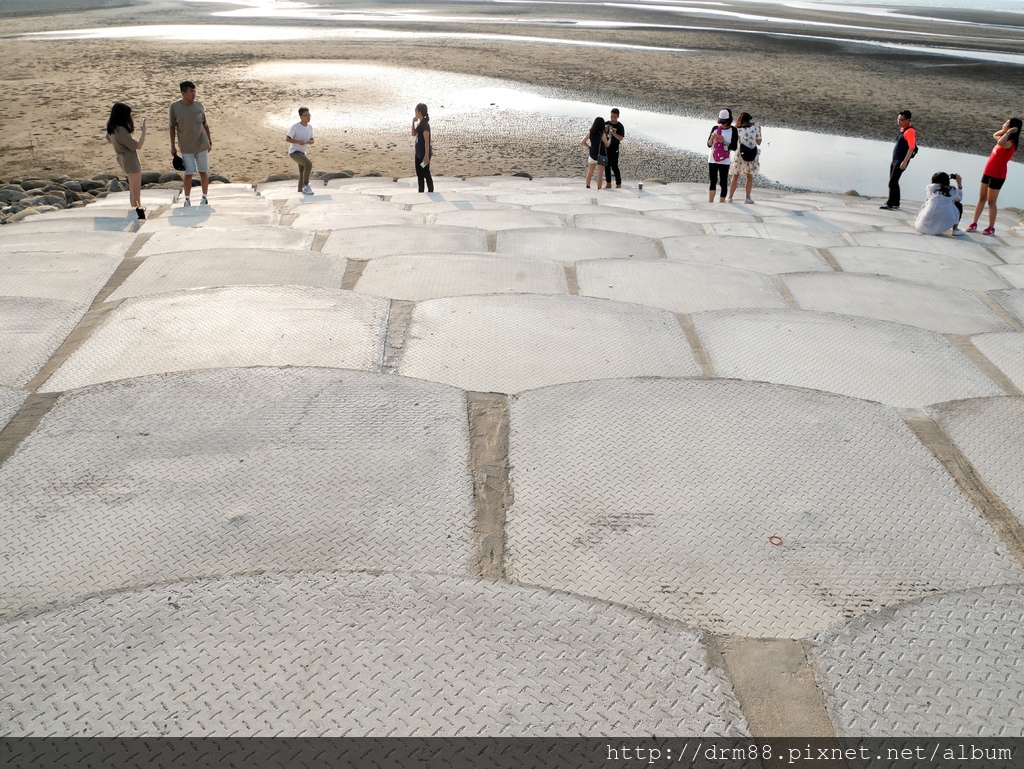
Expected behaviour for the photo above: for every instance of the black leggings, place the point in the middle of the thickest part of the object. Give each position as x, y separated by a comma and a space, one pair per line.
721, 172
423, 175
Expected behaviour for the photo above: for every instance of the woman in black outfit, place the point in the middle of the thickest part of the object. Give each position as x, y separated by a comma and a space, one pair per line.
597, 141
421, 130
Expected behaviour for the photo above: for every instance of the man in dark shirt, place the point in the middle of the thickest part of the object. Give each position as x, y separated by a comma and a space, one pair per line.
906, 142
618, 133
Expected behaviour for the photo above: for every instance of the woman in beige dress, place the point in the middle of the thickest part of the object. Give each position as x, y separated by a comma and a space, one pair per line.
120, 128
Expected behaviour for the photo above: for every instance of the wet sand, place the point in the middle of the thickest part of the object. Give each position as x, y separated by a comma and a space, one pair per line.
59, 93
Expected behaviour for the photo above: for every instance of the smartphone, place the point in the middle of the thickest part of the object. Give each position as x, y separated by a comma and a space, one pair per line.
143, 122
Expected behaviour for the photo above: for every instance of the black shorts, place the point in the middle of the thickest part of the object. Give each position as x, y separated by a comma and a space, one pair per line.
993, 184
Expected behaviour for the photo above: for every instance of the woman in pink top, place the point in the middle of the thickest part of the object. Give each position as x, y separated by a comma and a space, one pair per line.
995, 173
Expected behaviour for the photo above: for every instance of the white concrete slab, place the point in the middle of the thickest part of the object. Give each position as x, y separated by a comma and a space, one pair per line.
534, 198
947, 246
1012, 274
233, 472
857, 221
374, 242
323, 220
917, 265
636, 224
340, 204
949, 664
1011, 300
210, 238
413, 198
460, 205
664, 496
71, 277
676, 286
84, 223
112, 243
432, 276
569, 209
861, 357
1013, 253
10, 402
754, 254
151, 197
164, 273
498, 220
707, 214
213, 221
571, 245
641, 201
774, 229
929, 306
516, 343
31, 330
1006, 350
229, 327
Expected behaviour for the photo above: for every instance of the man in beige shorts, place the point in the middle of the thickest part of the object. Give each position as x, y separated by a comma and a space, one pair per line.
187, 120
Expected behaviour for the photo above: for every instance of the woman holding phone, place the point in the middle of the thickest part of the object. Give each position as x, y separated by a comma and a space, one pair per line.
421, 130
995, 173
120, 128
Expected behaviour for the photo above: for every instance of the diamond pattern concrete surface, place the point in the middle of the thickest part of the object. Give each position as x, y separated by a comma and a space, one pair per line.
636, 224
1013, 274
949, 665
1011, 300
773, 229
676, 286
110, 243
357, 655
72, 277
757, 255
860, 357
209, 238
662, 495
226, 327
514, 343
498, 220
933, 245
572, 245
31, 330
917, 265
944, 309
431, 276
374, 242
230, 472
10, 402
1006, 350
163, 273
990, 433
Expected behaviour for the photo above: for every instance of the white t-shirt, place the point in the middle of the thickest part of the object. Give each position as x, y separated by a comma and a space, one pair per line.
301, 132
727, 135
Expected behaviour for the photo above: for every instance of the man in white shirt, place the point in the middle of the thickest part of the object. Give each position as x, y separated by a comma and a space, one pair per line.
299, 137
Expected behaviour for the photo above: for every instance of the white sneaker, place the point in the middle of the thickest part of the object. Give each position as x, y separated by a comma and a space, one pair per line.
187, 202
749, 200
307, 190
958, 231
204, 201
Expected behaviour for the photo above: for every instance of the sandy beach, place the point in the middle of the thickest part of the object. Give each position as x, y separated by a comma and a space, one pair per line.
59, 91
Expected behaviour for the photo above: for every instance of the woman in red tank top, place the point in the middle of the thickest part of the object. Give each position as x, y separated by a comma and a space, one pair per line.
995, 173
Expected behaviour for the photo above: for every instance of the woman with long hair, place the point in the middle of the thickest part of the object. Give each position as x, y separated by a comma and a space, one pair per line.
421, 130
749, 154
995, 173
120, 128
597, 141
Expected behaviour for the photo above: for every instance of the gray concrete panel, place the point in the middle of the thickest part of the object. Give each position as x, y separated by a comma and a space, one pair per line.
568, 209
676, 286
514, 343
31, 330
1011, 300
92, 223
860, 221
112, 243
533, 198
151, 197
917, 265
228, 327
10, 402
441, 207
343, 220
729, 212
212, 221
163, 273
432, 276
665, 495
499, 220
573, 245
357, 655
210, 238
1013, 253
775, 229
374, 242
1013, 274
944, 309
990, 433
860, 357
636, 224
933, 245
339, 204
1006, 350
754, 254
234, 472
413, 198
641, 201
72, 277
948, 665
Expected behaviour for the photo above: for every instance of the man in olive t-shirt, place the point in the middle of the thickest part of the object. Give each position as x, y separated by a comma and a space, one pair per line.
187, 120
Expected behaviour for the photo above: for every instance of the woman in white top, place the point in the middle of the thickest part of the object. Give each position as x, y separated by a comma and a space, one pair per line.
942, 208
721, 140
750, 143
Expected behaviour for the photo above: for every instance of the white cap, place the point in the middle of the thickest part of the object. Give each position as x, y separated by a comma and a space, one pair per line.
725, 115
